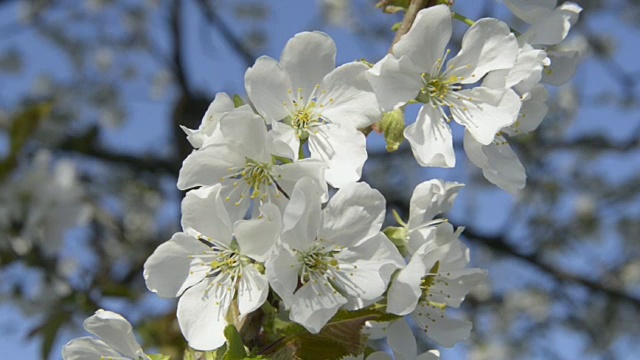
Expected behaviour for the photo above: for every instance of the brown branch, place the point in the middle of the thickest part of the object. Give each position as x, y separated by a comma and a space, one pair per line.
410, 17
498, 243
87, 145
231, 38
175, 24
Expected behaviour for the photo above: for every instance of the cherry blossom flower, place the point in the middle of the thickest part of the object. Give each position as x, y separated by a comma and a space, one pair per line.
435, 277
499, 164
39, 207
417, 69
337, 254
211, 264
209, 128
116, 340
305, 98
550, 25
244, 165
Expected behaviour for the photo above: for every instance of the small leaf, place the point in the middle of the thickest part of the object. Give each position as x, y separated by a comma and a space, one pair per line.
235, 348
159, 357
237, 101
341, 337
398, 236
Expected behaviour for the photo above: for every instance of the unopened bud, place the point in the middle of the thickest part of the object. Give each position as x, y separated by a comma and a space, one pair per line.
392, 126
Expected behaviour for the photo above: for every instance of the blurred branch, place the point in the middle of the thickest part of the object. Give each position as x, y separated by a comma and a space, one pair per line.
175, 24
87, 145
234, 40
410, 16
498, 243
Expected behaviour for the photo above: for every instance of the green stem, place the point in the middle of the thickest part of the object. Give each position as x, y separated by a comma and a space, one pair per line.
464, 19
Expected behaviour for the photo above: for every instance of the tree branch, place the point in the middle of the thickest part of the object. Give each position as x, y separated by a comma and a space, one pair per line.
499, 244
232, 39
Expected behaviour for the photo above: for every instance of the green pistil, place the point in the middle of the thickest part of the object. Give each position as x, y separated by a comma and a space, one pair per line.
317, 263
429, 280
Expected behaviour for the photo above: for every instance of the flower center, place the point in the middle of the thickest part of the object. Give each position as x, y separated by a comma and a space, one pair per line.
317, 265
254, 179
221, 263
306, 113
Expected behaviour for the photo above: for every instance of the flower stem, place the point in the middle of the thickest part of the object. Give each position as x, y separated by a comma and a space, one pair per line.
464, 19
410, 17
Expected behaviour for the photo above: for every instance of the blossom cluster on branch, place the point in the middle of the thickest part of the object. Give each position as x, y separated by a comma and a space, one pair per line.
282, 250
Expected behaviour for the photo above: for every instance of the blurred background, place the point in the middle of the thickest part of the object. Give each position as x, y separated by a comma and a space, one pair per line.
91, 96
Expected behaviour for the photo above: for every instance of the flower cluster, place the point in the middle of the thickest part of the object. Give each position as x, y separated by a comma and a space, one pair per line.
276, 221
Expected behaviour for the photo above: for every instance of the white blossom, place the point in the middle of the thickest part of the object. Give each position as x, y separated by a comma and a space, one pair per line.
417, 69
549, 26
244, 164
209, 128
499, 164
305, 98
116, 340
211, 264
435, 277
337, 254
39, 207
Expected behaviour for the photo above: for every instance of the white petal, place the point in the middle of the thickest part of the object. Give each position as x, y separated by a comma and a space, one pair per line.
488, 45
247, 132
284, 142
365, 270
354, 214
115, 331
201, 315
499, 164
289, 174
564, 65
401, 340
430, 355
220, 105
425, 42
253, 289
168, 271
307, 58
431, 140
315, 304
394, 81
349, 98
457, 286
203, 211
86, 348
343, 149
257, 236
443, 330
533, 111
404, 292
301, 218
282, 269
267, 86
531, 11
488, 112
554, 27
207, 166
434, 235
431, 198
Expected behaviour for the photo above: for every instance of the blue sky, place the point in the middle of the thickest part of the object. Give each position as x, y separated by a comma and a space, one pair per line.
218, 69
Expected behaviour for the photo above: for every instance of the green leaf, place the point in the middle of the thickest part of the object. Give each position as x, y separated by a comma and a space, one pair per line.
49, 331
398, 236
235, 348
159, 357
237, 101
341, 337
22, 127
